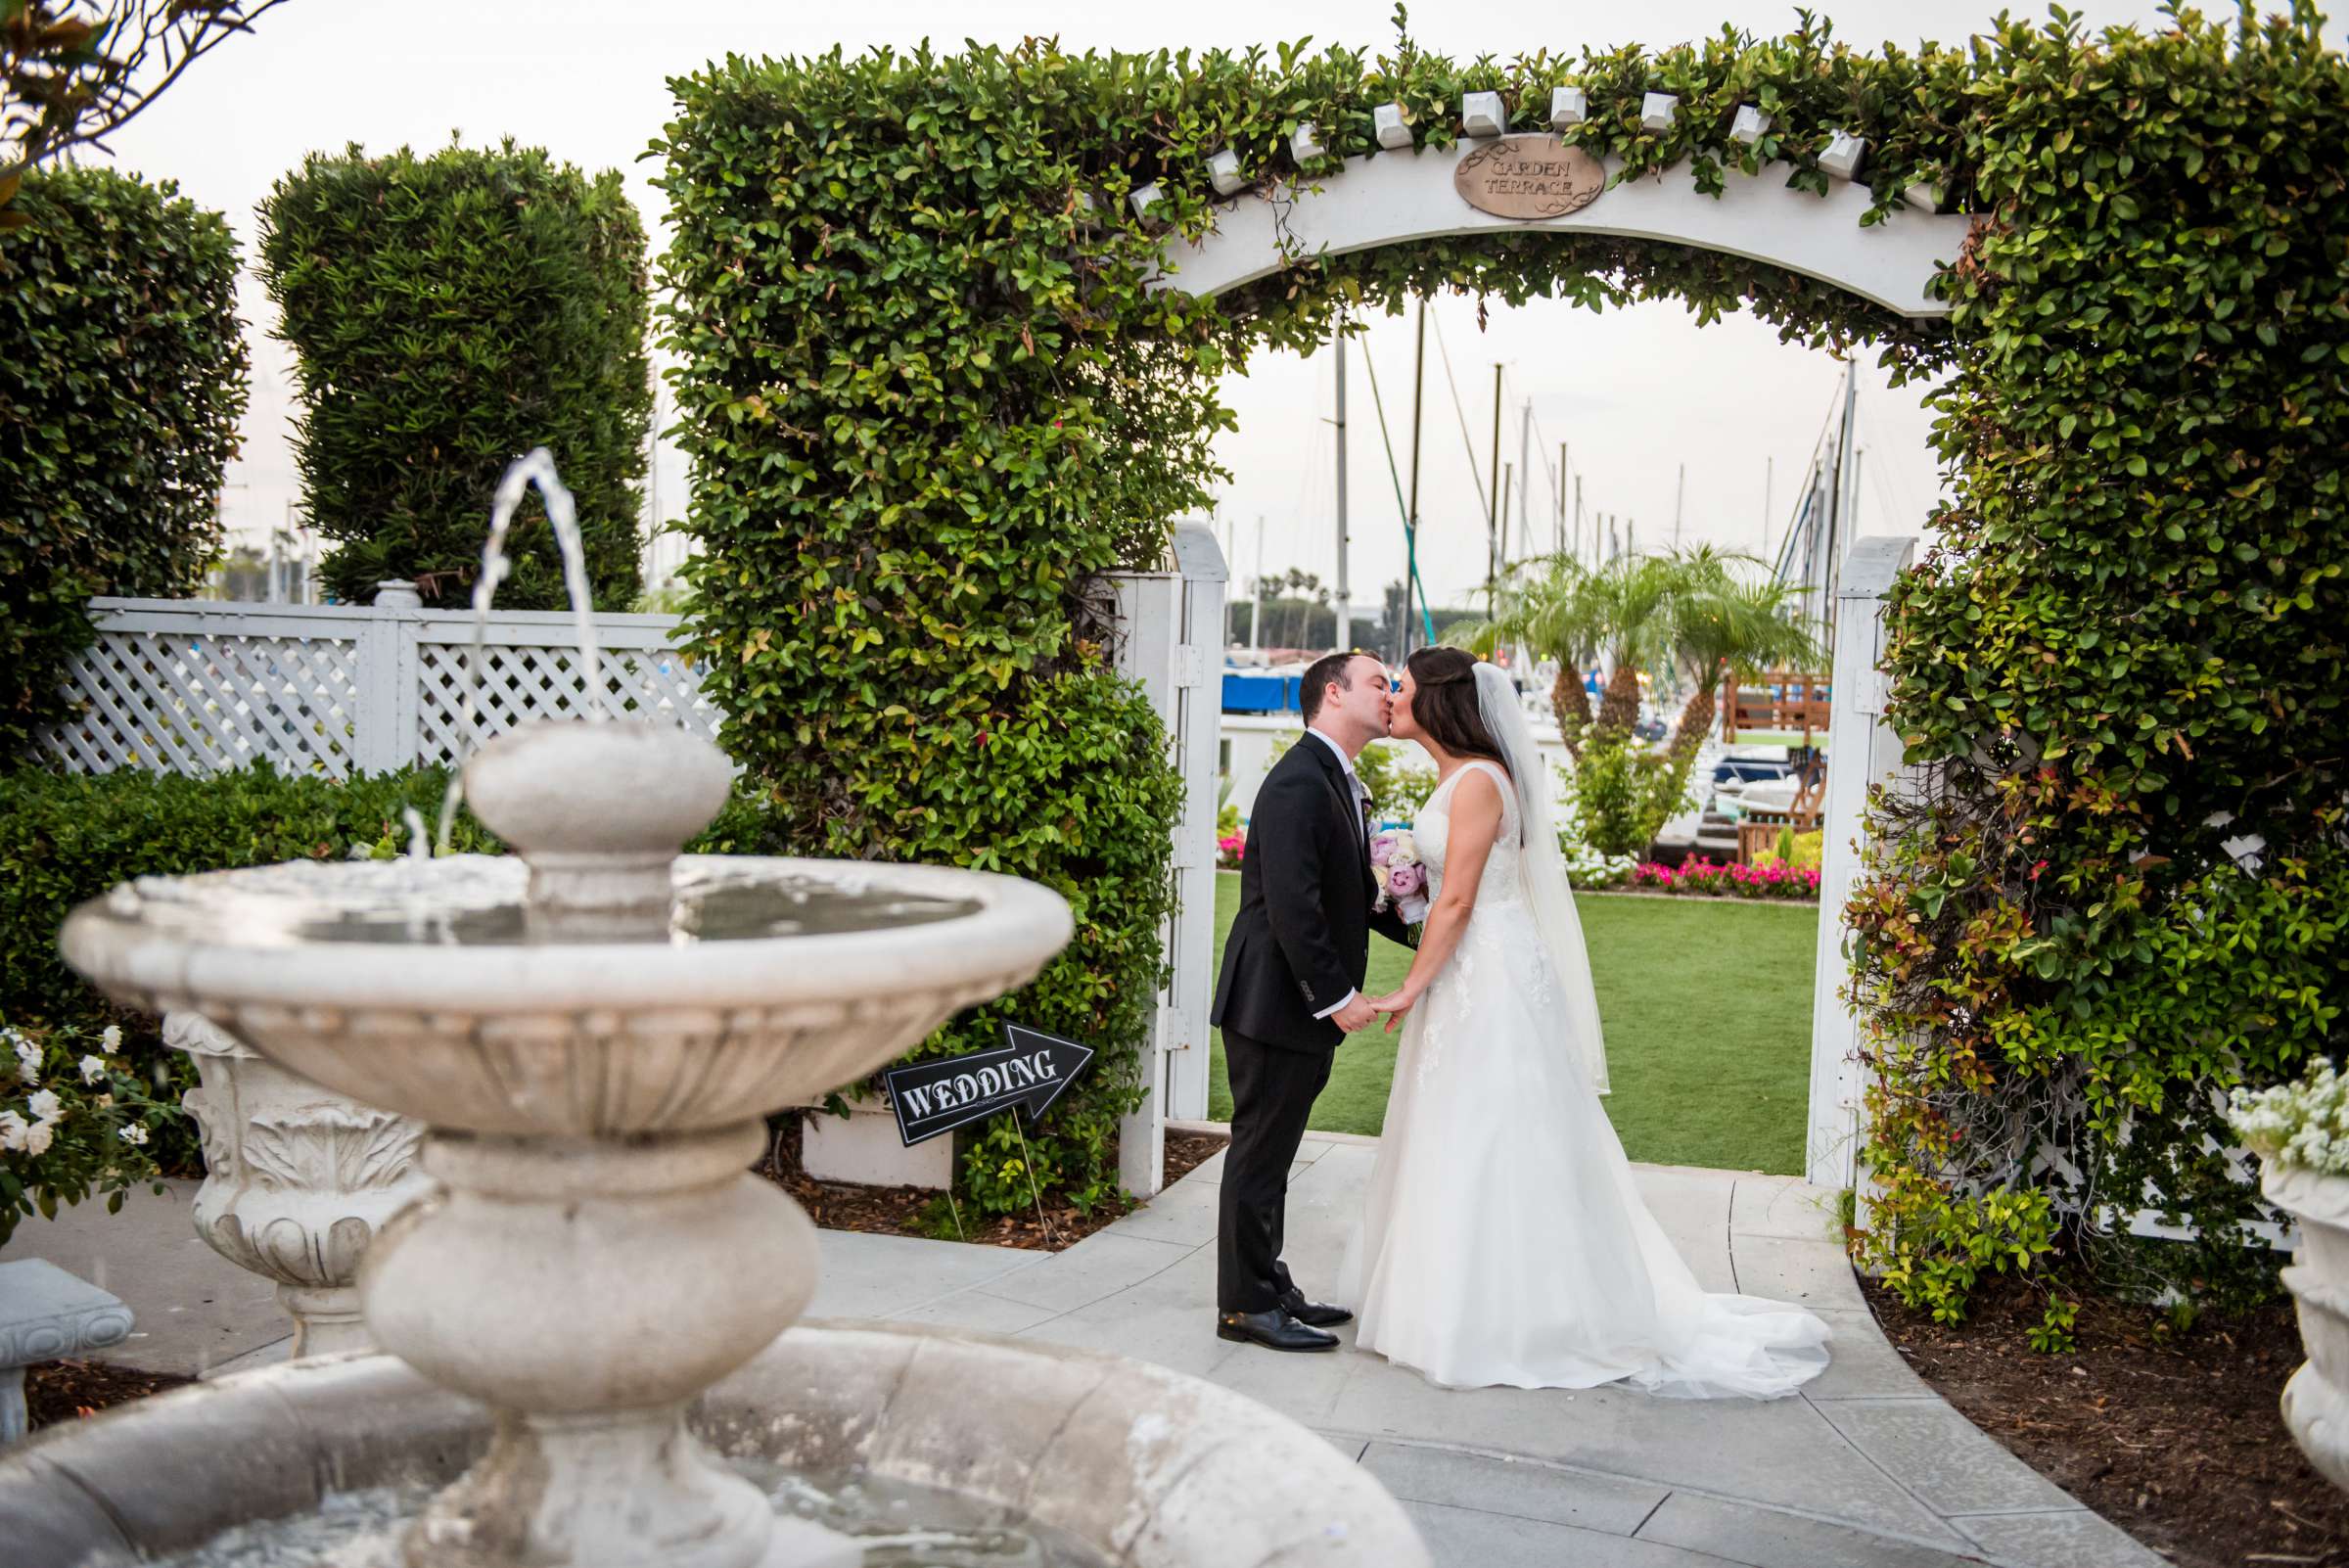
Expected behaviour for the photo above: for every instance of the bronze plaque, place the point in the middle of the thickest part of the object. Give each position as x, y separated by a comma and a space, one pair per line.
1528, 177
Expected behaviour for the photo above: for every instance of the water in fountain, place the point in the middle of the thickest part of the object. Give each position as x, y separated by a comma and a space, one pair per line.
893, 1523
562, 515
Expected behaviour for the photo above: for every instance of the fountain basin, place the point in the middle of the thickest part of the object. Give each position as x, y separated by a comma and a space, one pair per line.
1146, 1467
419, 986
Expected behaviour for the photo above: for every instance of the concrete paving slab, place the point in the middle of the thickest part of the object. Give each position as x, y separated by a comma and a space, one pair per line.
1808, 1273
1181, 1339
1101, 1264
1462, 1537
1781, 1453
1762, 1537
1182, 1214
975, 1308
1786, 1207
2072, 1538
1208, 1171
1519, 1487
192, 1308
1865, 1364
1952, 1465
879, 1276
1302, 1385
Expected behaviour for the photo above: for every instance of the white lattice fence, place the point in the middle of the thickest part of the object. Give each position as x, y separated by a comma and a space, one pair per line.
191, 687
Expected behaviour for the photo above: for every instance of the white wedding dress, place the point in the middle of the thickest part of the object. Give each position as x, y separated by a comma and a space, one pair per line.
1502, 1240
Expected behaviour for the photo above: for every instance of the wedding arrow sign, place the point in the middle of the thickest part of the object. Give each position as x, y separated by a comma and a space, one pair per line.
1028, 1069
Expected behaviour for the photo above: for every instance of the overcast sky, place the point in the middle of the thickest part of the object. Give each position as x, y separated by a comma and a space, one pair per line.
1638, 393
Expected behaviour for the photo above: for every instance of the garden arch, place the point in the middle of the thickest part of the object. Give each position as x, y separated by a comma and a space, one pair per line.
1378, 201
1894, 265
937, 381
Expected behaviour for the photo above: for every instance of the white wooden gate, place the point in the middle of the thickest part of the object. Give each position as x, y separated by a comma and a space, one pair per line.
1172, 641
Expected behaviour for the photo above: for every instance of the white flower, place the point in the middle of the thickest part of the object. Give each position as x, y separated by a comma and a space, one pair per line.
112, 1039
13, 1130
2296, 1124
29, 1059
93, 1068
37, 1139
45, 1107
133, 1133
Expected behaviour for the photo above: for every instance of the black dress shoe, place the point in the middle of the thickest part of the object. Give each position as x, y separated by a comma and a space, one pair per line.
1274, 1329
1319, 1314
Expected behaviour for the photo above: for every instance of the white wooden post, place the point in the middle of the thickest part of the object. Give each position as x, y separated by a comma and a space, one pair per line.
1198, 747
1170, 640
381, 742
1863, 752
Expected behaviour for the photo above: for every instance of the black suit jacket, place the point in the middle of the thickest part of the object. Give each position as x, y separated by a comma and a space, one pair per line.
1302, 938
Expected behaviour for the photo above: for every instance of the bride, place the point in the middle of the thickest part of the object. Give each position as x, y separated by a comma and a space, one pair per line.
1502, 1240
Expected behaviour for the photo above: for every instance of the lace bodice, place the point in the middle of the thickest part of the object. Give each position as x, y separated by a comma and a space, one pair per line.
1503, 882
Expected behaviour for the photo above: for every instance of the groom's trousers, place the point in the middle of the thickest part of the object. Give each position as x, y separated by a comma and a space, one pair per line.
1272, 1092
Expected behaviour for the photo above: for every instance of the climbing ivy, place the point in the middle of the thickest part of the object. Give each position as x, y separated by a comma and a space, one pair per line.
932, 394
2124, 662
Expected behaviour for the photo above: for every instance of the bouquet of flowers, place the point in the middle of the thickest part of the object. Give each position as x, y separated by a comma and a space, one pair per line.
1402, 878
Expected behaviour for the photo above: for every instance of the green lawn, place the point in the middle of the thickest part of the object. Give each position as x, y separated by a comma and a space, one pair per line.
1707, 1005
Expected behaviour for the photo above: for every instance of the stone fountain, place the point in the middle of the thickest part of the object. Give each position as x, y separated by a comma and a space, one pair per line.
585, 1313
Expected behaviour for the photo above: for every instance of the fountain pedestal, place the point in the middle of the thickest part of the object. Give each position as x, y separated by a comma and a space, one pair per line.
588, 1289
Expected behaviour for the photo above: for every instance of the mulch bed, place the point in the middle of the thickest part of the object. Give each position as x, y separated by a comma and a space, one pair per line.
63, 1391
2176, 1438
924, 1212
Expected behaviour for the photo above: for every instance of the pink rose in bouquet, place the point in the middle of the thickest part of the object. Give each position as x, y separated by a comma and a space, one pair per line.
1403, 881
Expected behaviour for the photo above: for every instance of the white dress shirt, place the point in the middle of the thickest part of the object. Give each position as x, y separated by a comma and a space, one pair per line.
1361, 793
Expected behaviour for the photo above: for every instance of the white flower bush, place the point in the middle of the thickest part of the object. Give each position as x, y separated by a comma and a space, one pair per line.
2304, 1124
79, 1125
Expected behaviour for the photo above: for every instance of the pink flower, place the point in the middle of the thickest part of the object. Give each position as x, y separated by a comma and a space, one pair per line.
1403, 881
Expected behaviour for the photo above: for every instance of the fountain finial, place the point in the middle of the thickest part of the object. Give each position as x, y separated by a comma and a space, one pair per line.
599, 812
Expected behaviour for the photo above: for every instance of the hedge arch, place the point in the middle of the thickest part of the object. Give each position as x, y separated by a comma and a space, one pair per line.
934, 381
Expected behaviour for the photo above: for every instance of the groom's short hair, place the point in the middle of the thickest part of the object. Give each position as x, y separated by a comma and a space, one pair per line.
1330, 669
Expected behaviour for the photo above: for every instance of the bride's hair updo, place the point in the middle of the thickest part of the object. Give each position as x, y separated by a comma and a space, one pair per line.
1445, 704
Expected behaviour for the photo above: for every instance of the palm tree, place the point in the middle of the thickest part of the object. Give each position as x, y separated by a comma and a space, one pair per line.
1635, 600
1721, 619
1545, 605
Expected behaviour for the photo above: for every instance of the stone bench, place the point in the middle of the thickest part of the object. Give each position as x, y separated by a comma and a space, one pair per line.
46, 1314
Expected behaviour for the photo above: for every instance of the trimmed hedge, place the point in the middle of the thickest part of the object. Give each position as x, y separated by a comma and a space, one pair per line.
450, 313
2126, 663
64, 839
902, 450
124, 382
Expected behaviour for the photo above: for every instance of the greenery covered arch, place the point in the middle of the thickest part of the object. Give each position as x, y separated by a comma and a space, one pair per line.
931, 395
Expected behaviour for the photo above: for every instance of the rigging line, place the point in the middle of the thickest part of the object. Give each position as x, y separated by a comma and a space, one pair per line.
1467, 443
1410, 539
1809, 469
1556, 479
1875, 438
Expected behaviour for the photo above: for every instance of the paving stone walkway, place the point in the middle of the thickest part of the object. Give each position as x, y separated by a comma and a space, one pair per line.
1867, 1468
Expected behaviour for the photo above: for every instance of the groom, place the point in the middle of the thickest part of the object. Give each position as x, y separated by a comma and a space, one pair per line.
1291, 990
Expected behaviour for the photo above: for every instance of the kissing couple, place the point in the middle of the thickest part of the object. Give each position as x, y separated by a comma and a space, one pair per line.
1502, 1240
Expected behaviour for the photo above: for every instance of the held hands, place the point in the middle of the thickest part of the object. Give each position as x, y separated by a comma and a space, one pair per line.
1355, 1014
1396, 1006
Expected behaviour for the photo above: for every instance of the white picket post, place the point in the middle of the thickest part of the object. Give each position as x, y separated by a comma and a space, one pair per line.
1863, 752
1170, 640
